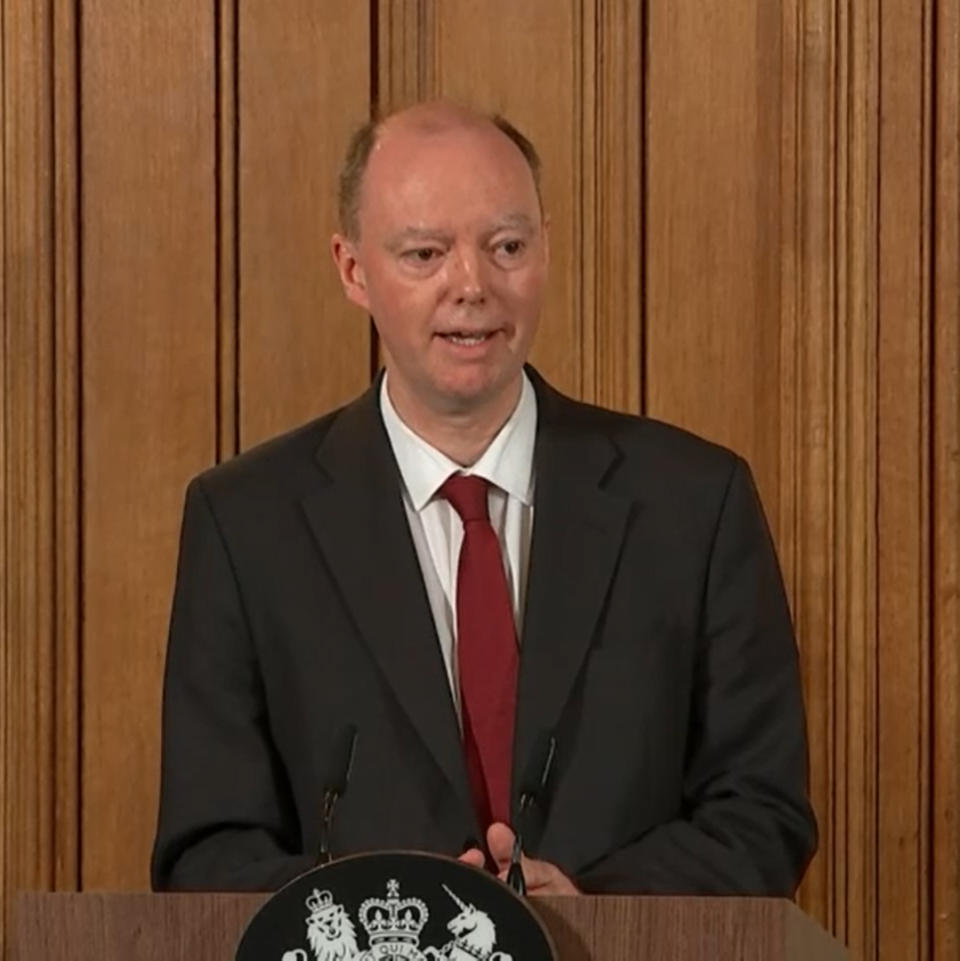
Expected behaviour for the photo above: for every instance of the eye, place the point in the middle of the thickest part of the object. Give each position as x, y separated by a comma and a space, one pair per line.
422, 255
510, 248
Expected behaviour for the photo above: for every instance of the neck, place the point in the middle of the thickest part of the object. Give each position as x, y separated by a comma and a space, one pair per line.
461, 434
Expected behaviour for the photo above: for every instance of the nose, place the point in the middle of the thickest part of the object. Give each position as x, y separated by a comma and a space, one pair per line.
467, 281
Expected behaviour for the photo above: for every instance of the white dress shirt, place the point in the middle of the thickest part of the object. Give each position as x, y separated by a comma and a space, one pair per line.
435, 526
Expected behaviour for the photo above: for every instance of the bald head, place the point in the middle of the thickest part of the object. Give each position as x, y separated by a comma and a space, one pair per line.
422, 119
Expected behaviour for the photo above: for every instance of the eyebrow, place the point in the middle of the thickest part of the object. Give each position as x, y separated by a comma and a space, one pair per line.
514, 220
416, 233
407, 234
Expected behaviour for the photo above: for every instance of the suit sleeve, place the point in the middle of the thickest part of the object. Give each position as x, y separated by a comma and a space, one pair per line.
746, 826
226, 821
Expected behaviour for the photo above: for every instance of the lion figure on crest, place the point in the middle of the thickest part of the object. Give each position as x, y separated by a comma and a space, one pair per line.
330, 932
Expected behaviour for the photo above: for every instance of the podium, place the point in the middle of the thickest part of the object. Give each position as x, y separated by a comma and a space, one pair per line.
207, 927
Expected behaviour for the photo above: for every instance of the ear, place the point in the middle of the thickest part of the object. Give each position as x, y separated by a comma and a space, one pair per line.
346, 258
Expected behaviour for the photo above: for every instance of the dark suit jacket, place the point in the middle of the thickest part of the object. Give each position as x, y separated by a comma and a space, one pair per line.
656, 648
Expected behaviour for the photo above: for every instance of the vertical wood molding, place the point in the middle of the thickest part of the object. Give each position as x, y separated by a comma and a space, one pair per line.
808, 432
903, 508
828, 435
228, 280
945, 841
611, 241
39, 481
855, 539
407, 43
67, 429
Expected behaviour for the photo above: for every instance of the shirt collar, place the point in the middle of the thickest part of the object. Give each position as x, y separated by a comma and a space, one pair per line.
507, 462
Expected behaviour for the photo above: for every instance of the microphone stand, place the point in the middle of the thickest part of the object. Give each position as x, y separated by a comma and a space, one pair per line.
335, 790
529, 797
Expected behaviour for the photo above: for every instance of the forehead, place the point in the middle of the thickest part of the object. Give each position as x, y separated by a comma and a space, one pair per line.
416, 175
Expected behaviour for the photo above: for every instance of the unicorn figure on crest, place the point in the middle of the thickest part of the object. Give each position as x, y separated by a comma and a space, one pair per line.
474, 936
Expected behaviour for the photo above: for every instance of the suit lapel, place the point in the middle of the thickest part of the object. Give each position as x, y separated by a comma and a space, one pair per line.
578, 532
359, 523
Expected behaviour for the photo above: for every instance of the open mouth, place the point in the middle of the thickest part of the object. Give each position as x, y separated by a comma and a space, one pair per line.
467, 339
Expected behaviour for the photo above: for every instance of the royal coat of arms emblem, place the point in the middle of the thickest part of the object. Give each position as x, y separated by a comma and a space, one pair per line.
395, 907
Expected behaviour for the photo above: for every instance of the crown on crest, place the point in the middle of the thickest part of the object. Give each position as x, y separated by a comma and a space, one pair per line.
393, 920
319, 901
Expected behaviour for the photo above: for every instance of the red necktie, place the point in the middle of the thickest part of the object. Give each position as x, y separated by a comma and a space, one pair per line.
486, 651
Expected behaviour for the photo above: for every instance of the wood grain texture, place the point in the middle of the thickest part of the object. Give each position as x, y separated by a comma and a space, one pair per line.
854, 544
149, 387
66, 437
304, 85
407, 42
609, 214
808, 319
713, 120
945, 626
206, 927
828, 436
903, 508
39, 479
227, 198
27, 798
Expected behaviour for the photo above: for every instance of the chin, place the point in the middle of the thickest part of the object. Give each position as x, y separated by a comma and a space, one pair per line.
464, 397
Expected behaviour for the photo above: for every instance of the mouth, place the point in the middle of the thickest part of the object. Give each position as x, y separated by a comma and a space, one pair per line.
468, 338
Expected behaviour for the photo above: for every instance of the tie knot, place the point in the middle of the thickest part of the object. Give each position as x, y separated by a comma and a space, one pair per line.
468, 495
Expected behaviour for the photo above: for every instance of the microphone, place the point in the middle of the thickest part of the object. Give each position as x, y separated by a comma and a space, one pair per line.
336, 787
532, 793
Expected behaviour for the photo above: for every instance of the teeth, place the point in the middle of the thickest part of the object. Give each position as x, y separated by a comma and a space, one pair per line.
467, 339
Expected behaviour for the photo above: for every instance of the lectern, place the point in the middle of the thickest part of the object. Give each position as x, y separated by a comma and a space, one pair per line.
207, 927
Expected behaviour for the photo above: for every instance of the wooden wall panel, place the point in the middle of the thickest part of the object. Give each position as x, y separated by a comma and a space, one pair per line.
806, 513
39, 481
227, 196
851, 785
149, 395
713, 224
903, 507
304, 85
945, 353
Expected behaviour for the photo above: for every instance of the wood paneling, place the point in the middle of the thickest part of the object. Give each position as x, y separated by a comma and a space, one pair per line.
854, 542
608, 216
713, 127
304, 85
149, 276
805, 517
827, 481
39, 482
945, 352
407, 42
228, 277
903, 506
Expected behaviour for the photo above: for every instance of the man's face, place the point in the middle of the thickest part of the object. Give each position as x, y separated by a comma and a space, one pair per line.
451, 262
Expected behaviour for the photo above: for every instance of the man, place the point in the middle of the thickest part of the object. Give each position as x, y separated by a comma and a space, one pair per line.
612, 592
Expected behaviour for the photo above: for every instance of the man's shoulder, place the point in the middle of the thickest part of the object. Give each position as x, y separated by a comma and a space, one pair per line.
648, 445
280, 466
